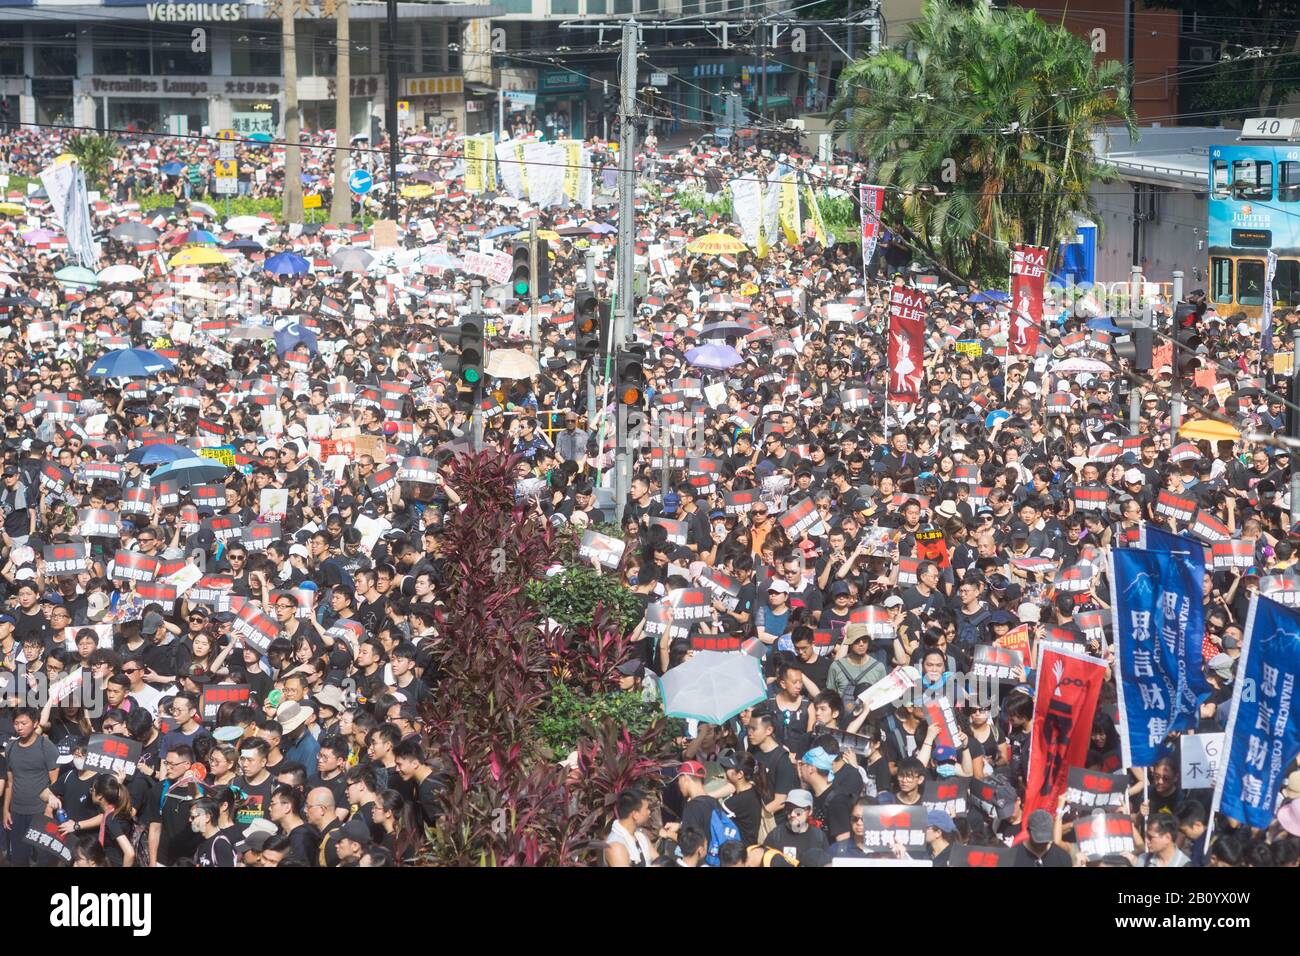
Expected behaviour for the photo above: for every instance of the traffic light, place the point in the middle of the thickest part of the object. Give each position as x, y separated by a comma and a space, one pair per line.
629, 375
469, 365
1138, 347
522, 281
591, 325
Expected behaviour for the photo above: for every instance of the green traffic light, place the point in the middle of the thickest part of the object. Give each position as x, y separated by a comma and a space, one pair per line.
521, 288
471, 376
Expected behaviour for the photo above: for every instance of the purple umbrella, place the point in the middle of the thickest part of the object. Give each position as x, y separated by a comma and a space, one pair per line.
37, 235
713, 356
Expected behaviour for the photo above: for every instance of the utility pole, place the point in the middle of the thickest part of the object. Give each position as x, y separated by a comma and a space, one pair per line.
762, 116
293, 211
390, 110
875, 27
476, 416
341, 207
532, 290
626, 262
848, 30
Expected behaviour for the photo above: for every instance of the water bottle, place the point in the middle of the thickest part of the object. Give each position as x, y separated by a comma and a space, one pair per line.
60, 815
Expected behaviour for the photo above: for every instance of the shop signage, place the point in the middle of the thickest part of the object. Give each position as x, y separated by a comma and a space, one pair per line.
553, 80
433, 85
359, 85
195, 12
136, 84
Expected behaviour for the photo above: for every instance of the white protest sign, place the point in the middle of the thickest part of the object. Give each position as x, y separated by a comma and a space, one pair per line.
1200, 755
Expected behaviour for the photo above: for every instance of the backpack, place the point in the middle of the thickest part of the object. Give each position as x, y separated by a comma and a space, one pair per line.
722, 829
859, 682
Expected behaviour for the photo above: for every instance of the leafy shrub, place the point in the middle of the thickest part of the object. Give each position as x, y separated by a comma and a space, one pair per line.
571, 597
565, 712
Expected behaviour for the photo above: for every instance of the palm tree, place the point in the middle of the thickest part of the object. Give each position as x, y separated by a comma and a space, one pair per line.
982, 127
293, 211
95, 154
341, 208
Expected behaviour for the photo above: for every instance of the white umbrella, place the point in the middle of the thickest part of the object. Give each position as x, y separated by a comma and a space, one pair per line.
120, 273
1081, 365
511, 363
247, 225
713, 686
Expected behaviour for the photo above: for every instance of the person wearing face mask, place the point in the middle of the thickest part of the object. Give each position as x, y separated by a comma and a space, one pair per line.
73, 789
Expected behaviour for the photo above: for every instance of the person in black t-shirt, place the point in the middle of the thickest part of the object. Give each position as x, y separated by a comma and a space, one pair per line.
745, 803
796, 838
697, 806
812, 665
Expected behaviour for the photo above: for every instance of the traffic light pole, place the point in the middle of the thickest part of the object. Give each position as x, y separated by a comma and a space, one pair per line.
390, 109
476, 414
532, 290
626, 248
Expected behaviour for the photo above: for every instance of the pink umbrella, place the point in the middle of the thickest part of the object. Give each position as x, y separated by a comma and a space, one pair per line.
38, 235
417, 141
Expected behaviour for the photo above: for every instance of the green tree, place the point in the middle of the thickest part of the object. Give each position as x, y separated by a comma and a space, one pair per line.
981, 125
95, 155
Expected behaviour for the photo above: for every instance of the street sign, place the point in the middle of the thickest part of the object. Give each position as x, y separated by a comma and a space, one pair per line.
226, 144
227, 176
658, 79
311, 201
360, 182
403, 109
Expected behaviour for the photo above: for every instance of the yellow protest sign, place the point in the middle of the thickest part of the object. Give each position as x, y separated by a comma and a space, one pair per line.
311, 201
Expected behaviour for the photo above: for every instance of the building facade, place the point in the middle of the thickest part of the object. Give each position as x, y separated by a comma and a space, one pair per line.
186, 67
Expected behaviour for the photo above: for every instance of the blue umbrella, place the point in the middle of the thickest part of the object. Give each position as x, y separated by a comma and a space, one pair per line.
159, 454
191, 471
130, 363
501, 231
713, 355
442, 260
990, 295
261, 137
200, 236
171, 169
290, 335
287, 264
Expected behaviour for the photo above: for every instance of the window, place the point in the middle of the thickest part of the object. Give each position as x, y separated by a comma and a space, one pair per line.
11, 50
1286, 283
596, 8
516, 6
56, 50
173, 52
433, 40
404, 51
622, 6
1288, 181
1222, 183
1250, 282
256, 53
316, 43
1252, 180
1221, 280
561, 8
690, 7
116, 58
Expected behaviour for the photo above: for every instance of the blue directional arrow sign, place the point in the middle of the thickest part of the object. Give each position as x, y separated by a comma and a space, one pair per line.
360, 182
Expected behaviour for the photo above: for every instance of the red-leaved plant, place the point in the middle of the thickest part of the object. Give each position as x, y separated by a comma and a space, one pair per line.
506, 805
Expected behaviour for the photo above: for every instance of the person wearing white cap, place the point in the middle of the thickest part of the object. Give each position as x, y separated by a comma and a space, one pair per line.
774, 619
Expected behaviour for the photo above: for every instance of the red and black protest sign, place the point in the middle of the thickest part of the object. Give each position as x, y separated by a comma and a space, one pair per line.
967, 474
853, 399
164, 594
134, 566
939, 712
224, 527
884, 826
259, 535
211, 497
108, 753
1028, 275
1232, 554
906, 350
350, 632
212, 591
1091, 790
421, 471
983, 857
801, 519
66, 559
716, 642
1093, 624
382, 479
1104, 834
947, 795
99, 523
659, 622
211, 428
1106, 452
932, 545
102, 471
739, 502
1179, 507
254, 628
879, 624
998, 663
1075, 579
1208, 528
167, 494
1065, 701
55, 479
907, 569
214, 695
725, 588
137, 501
675, 531
605, 549
1059, 403
43, 834
1091, 499
689, 604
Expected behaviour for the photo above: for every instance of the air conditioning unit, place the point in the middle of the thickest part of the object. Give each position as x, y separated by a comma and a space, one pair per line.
1201, 54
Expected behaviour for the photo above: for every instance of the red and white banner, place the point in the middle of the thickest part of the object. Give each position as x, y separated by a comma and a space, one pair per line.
872, 201
1065, 701
906, 343
1028, 275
